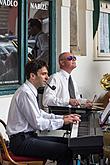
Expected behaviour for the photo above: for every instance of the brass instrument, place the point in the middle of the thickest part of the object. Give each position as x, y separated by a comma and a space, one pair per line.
105, 81
106, 141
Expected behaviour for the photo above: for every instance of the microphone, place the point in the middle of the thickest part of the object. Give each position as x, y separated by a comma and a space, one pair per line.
52, 87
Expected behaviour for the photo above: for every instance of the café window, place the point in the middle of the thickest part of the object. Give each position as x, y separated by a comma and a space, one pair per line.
9, 58
38, 30
22, 39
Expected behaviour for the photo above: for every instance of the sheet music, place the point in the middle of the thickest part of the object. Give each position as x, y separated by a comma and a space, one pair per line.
105, 114
74, 130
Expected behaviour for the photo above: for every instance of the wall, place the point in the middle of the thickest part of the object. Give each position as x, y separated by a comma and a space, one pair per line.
4, 108
88, 72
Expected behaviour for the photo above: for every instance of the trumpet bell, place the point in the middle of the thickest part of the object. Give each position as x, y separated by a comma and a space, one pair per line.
105, 81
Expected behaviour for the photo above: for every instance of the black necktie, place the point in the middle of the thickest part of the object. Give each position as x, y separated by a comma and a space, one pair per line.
37, 99
71, 88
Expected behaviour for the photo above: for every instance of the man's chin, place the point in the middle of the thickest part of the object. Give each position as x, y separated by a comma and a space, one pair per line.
43, 85
40, 86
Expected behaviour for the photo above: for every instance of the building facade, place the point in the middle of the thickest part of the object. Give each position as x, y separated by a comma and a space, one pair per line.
71, 25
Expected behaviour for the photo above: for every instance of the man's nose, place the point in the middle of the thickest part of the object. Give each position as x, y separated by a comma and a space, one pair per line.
47, 77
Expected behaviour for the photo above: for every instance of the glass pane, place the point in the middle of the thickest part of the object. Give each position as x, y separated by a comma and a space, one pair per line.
104, 32
8, 50
38, 30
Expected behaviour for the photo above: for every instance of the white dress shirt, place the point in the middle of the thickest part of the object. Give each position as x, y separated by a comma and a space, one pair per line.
42, 46
42, 43
25, 115
59, 96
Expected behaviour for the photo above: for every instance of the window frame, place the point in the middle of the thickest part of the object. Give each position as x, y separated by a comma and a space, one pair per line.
11, 88
99, 56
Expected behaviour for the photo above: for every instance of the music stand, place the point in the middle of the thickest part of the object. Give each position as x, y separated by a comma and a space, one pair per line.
104, 116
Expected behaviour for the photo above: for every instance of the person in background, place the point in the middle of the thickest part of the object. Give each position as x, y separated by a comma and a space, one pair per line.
11, 65
62, 96
25, 119
41, 48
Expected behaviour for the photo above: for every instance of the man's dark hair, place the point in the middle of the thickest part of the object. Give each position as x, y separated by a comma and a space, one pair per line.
35, 22
33, 67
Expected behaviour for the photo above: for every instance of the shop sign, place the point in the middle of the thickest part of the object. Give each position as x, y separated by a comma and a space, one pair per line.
41, 6
9, 3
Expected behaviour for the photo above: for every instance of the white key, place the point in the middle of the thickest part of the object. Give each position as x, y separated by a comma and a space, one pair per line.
74, 130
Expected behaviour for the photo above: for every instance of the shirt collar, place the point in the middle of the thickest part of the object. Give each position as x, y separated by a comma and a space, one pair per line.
32, 87
66, 74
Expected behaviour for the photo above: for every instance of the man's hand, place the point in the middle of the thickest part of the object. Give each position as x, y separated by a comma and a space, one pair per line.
72, 118
88, 104
74, 102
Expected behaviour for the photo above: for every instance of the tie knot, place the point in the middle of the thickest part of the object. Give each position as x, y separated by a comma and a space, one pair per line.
70, 79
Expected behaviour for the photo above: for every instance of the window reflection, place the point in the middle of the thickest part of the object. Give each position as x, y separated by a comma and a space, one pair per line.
8, 52
38, 29
38, 44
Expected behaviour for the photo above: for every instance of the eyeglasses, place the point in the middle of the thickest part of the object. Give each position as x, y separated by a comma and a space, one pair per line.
69, 58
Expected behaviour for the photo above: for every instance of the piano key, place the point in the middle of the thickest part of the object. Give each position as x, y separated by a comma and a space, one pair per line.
74, 131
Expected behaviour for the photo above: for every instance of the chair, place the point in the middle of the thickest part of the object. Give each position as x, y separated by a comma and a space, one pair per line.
8, 158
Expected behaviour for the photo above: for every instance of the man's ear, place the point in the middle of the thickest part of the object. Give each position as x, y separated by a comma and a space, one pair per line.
62, 63
32, 75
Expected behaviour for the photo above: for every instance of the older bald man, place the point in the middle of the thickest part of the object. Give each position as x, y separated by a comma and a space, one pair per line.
66, 92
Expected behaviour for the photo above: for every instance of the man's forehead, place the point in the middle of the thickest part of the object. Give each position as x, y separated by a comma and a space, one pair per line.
43, 69
68, 54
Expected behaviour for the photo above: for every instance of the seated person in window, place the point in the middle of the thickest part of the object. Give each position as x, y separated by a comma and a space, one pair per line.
11, 65
2, 67
40, 50
3, 57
